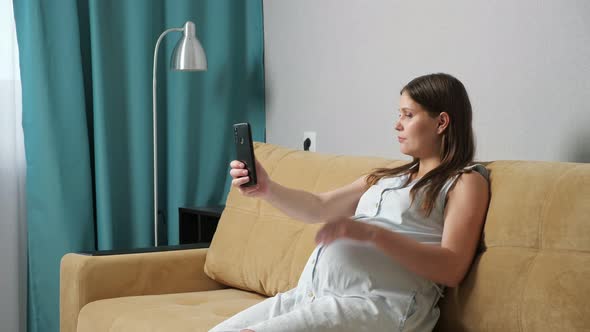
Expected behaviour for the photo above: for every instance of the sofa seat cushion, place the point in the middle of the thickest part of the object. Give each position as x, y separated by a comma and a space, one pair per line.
198, 311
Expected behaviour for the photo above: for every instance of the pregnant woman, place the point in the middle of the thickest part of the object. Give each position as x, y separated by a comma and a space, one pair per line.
394, 238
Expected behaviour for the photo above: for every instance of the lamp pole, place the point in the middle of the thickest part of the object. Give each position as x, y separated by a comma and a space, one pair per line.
188, 56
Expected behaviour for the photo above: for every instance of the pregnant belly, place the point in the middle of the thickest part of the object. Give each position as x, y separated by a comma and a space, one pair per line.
350, 267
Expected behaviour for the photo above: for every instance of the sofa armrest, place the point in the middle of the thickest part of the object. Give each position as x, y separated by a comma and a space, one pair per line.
84, 278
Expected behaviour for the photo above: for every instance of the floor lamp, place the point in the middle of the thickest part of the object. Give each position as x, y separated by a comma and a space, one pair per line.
188, 55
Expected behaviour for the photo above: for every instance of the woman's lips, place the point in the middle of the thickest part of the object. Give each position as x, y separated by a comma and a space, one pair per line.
401, 139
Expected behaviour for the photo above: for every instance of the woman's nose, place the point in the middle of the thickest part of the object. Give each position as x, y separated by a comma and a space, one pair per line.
398, 126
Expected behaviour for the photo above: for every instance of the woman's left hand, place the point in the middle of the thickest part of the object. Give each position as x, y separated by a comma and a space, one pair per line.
344, 227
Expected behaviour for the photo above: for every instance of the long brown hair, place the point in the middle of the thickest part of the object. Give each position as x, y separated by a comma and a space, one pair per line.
438, 93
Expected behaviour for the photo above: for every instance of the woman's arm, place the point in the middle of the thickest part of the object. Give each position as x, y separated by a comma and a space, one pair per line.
446, 264
315, 208
305, 206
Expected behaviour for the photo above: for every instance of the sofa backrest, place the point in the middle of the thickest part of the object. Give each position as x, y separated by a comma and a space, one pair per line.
533, 275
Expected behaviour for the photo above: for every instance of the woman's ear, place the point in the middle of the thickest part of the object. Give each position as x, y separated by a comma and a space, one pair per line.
443, 122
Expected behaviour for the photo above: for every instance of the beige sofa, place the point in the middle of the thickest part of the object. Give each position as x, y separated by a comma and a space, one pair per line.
534, 274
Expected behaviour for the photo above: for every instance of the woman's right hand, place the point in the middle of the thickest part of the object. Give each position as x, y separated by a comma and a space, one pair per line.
239, 173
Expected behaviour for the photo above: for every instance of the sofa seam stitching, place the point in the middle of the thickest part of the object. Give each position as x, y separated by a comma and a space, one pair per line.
543, 212
524, 289
553, 250
250, 212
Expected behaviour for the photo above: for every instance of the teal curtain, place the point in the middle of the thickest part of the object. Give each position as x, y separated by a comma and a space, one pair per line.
86, 69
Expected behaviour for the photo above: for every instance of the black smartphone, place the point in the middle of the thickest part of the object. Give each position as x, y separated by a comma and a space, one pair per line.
245, 150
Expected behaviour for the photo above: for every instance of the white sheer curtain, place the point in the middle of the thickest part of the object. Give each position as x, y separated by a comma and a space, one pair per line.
13, 257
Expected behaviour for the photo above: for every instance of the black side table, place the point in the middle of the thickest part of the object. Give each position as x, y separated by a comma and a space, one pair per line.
198, 224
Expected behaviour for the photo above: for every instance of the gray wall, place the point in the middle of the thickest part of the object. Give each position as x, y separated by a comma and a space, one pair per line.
336, 67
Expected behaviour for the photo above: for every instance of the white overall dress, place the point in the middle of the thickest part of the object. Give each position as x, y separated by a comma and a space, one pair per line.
353, 286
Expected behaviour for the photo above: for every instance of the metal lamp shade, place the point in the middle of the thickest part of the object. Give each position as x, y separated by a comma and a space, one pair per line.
188, 54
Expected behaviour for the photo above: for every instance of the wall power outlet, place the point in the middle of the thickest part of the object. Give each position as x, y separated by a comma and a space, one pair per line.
312, 137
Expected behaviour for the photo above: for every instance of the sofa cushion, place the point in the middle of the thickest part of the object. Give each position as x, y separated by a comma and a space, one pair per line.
533, 275
193, 312
256, 247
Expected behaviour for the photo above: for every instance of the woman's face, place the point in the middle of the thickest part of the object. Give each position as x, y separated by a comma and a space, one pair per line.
417, 130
